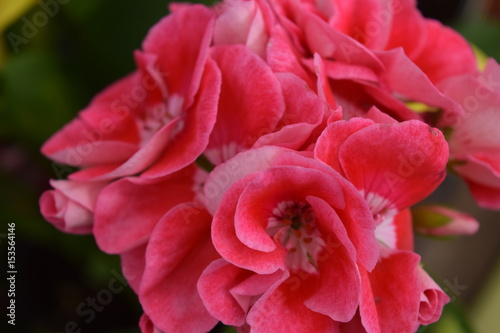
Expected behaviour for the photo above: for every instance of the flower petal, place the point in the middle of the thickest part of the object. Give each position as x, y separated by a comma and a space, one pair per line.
402, 163
128, 209
178, 251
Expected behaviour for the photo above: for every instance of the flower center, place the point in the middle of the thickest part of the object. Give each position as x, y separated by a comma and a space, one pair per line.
160, 115
293, 224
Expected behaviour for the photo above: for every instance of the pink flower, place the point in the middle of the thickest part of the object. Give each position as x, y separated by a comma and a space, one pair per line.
330, 35
286, 226
475, 139
386, 25
70, 206
394, 165
158, 119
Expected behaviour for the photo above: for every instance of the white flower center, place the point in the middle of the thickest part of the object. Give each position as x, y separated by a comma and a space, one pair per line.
383, 214
161, 114
293, 224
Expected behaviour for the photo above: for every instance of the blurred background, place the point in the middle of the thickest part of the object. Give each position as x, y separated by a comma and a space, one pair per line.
55, 55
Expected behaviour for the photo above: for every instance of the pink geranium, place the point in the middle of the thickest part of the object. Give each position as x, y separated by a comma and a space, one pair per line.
280, 216
286, 225
259, 166
156, 120
475, 139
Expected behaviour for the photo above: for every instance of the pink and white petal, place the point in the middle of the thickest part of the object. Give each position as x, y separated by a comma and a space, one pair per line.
241, 23
70, 146
84, 193
402, 163
226, 174
394, 229
478, 131
186, 65
251, 101
92, 173
168, 289
433, 298
65, 214
191, 141
233, 25
106, 125
146, 154
229, 292
127, 210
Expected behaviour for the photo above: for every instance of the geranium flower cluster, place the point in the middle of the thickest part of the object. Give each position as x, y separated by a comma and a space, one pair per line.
258, 167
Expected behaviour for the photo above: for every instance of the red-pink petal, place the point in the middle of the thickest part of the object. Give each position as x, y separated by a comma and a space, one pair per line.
178, 251
133, 263
402, 163
230, 246
433, 298
304, 112
251, 102
333, 137
198, 124
228, 291
339, 285
276, 310
185, 66
446, 53
105, 132
128, 209
395, 287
